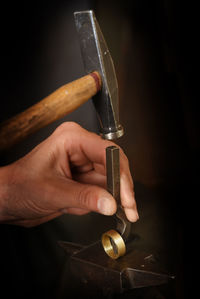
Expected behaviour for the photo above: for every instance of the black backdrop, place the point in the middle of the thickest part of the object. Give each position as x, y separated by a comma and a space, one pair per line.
154, 47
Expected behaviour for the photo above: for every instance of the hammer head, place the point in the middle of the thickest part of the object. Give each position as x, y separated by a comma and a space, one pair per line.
96, 57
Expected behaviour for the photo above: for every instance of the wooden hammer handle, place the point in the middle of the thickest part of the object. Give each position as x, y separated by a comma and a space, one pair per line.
58, 104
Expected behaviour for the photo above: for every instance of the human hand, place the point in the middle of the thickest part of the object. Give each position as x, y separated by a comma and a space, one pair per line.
66, 173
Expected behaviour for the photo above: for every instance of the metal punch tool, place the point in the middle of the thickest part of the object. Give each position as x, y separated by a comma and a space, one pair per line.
113, 241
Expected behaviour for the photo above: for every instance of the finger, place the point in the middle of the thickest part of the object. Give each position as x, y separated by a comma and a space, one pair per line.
66, 193
88, 167
75, 211
128, 198
82, 169
100, 168
82, 145
127, 189
92, 178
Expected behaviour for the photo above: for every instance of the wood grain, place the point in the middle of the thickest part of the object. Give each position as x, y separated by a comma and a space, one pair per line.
55, 106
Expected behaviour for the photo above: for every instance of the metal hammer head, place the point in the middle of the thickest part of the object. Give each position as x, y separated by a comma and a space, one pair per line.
96, 57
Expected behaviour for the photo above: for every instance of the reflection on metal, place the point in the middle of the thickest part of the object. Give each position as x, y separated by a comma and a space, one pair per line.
114, 241
96, 57
113, 244
102, 274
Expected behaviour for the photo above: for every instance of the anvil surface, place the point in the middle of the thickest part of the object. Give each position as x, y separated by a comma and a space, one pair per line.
151, 254
94, 268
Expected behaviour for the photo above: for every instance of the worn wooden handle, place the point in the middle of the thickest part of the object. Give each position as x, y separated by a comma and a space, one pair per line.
58, 104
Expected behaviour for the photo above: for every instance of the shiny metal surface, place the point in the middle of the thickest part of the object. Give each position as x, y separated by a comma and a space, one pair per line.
113, 186
113, 244
96, 57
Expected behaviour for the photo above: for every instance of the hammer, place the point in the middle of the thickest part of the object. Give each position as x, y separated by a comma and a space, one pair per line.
90, 264
99, 83
135, 269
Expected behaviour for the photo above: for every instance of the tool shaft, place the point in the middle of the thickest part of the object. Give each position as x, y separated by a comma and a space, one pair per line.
113, 186
113, 172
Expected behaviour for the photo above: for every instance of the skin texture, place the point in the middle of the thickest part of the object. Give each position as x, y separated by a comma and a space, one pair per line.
66, 173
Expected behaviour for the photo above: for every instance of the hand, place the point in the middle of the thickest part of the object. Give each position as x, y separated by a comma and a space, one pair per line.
66, 173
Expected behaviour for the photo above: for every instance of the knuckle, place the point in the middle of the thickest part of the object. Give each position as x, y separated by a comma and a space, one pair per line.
66, 126
64, 132
71, 125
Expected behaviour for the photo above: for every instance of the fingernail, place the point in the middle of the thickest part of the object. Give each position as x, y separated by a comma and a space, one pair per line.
132, 215
105, 206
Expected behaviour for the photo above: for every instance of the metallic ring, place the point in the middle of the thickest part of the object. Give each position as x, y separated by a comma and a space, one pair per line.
113, 244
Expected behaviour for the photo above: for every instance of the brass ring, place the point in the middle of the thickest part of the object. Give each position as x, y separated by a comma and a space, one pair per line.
113, 244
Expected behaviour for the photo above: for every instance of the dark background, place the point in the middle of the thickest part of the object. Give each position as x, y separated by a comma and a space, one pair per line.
154, 48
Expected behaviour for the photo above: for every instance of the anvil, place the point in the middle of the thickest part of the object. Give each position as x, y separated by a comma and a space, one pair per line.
99, 273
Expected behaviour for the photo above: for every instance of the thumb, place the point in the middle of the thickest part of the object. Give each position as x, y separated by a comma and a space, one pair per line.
88, 197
